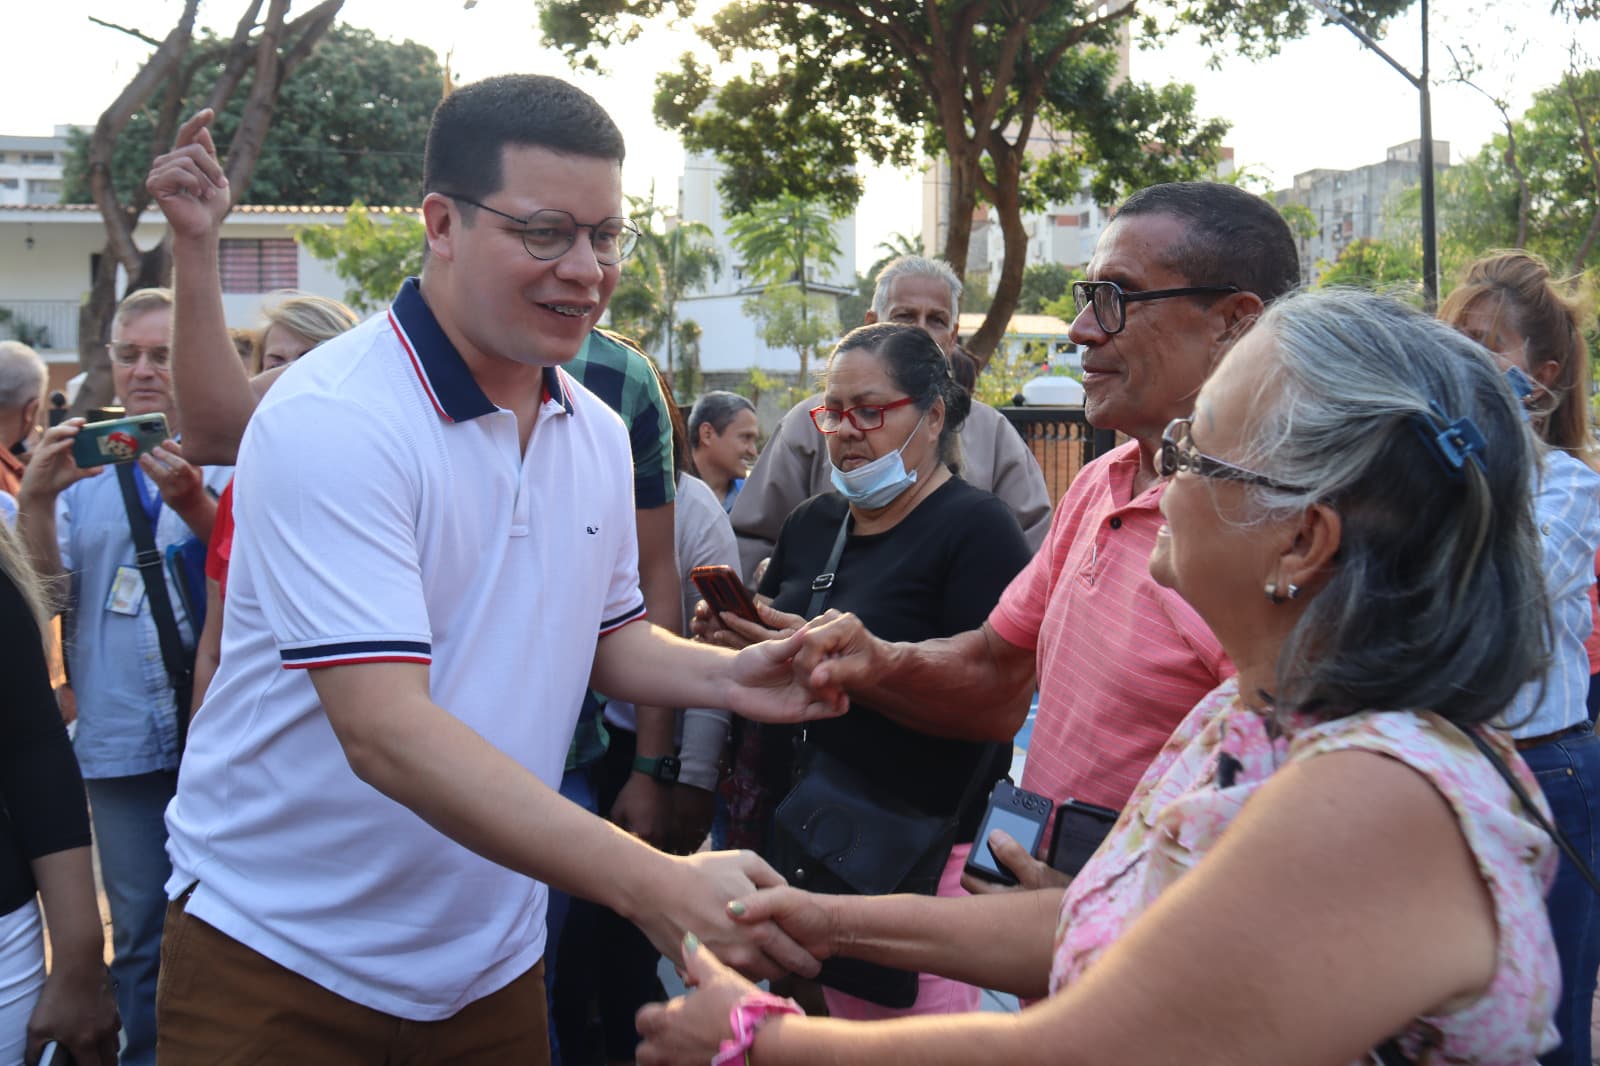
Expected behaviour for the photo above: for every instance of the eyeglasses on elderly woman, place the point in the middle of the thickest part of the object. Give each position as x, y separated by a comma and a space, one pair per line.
1179, 453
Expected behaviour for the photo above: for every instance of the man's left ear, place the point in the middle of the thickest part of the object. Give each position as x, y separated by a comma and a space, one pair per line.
1308, 560
1239, 310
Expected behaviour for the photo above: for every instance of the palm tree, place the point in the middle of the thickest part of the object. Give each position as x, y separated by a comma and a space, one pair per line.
673, 258
779, 241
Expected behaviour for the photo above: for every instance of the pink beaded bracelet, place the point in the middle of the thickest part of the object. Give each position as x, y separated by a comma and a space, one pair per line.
747, 1016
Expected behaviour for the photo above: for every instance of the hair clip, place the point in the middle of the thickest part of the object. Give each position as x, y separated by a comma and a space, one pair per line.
1453, 445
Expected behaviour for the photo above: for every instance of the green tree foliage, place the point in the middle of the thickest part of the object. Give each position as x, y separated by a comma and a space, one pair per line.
673, 258
803, 91
1013, 366
1062, 306
785, 244
351, 125
373, 253
1044, 283
854, 307
1555, 150
1387, 266
790, 318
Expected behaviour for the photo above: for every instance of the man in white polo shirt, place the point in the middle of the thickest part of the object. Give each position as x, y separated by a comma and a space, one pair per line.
435, 543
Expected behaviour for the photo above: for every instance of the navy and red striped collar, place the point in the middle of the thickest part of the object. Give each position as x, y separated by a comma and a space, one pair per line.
455, 394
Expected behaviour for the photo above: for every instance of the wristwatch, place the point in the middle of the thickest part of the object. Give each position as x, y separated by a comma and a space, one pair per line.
663, 769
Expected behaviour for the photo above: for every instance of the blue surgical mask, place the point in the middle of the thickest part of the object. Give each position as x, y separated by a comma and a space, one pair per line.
879, 483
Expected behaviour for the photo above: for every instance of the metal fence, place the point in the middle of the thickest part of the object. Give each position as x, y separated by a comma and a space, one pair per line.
43, 324
1062, 439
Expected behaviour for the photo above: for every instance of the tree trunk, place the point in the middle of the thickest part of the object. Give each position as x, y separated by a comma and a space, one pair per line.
1592, 156
1008, 206
963, 202
1524, 197
276, 51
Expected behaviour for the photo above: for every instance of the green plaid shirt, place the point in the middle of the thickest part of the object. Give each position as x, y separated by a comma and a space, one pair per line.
624, 378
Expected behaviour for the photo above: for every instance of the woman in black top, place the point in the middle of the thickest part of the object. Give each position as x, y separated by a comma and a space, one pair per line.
44, 850
927, 556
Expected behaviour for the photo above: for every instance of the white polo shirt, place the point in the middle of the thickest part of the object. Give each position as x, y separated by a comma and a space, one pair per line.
386, 513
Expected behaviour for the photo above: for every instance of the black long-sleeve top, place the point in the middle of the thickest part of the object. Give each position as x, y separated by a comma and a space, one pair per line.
42, 806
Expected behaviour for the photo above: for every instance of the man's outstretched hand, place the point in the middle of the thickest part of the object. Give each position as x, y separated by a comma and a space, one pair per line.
769, 686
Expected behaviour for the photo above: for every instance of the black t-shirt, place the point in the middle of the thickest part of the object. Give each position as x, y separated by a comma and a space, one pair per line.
42, 807
939, 572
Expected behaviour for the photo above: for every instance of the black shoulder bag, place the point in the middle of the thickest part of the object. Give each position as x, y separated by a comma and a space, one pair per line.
178, 660
839, 832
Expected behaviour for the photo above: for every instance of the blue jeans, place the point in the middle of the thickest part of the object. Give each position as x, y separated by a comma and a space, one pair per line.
577, 785
130, 832
1568, 770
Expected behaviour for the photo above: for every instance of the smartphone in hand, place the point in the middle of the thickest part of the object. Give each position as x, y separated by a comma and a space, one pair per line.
119, 440
1080, 829
722, 590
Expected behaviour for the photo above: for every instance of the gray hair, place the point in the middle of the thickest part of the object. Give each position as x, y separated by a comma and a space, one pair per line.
140, 302
1436, 600
716, 409
23, 375
914, 266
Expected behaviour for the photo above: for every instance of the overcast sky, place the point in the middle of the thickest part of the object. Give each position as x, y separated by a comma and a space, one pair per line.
1324, 102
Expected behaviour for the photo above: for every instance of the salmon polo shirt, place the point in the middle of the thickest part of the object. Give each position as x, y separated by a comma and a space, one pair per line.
1121, 660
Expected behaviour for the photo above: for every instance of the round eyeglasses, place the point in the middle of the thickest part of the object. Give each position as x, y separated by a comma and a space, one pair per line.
866, 417
1179, 453
548, 233
1110, 300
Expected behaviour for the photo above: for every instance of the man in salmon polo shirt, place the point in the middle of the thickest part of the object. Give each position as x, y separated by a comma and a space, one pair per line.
1118, 659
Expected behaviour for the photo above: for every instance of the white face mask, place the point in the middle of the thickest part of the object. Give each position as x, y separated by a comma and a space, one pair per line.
880, 482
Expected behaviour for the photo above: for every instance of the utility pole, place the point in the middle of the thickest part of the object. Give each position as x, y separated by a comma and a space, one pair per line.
1430, 235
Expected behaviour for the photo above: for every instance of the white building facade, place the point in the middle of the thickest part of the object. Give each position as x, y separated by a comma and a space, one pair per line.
47, 256
31, 168
730, 340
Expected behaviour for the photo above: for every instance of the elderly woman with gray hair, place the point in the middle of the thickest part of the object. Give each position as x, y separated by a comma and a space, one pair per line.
1333, 860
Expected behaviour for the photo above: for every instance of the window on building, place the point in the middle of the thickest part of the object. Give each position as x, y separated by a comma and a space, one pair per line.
44, 191
8, 183
260, 265
42, 158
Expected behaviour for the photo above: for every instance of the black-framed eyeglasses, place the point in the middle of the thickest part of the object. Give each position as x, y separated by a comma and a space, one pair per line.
865, 417
1110, 300
548, 233
125, 354
1179, 453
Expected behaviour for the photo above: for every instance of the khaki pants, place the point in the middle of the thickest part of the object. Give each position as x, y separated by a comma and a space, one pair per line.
220, 1002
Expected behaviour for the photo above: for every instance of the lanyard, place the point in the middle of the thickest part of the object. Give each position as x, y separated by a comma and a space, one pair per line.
149, 496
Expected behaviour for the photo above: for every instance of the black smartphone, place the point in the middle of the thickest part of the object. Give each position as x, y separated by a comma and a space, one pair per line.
1080, 829
722, 590
1021, 814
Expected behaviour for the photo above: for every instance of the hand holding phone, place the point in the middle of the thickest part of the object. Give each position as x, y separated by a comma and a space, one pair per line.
119, 440
722, 590
1080, 829
1022, 815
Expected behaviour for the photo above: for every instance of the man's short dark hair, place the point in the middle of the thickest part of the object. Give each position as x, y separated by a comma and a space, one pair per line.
474, 124
1234, 237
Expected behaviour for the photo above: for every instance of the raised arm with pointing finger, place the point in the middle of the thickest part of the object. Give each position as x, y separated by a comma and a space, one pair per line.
213, 391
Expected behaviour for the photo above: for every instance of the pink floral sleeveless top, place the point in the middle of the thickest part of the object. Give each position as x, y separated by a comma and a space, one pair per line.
1220, 755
